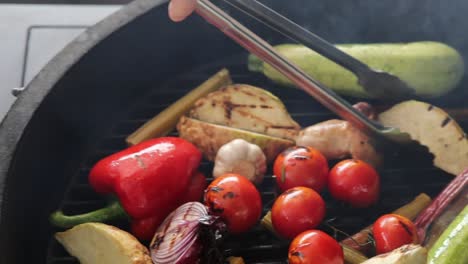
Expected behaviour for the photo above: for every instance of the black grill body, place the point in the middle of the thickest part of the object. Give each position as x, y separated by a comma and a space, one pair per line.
126, 69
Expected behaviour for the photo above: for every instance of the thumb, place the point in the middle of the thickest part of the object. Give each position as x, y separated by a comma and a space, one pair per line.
181, 9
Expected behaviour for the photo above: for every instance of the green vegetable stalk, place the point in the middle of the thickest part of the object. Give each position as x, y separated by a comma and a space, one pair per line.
111, 212
452, 245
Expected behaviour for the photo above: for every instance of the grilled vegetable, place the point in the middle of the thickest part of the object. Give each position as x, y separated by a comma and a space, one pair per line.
150, 180
113, 211
359, 241
165, 122
239, 112
431, 68
354, 182
443, 204
433, 128
97, 243
241, 157
315, 246
210, 137
407, 254
450, 212
297, 210
392, 231
178, 239
338, 139
451, 247
301, 166
246, 107
235, 200
352, 256
196, 188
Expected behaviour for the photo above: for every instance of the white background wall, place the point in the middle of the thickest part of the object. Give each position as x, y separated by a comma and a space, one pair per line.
40, 31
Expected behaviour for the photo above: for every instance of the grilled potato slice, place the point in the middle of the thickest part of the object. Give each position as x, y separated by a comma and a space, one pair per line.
210, 137
246, 107
433, 128
97, 243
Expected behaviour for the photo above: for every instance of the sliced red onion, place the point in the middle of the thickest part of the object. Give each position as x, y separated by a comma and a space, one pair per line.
177, 239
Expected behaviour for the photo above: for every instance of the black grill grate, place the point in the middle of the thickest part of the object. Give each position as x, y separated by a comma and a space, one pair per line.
407, 173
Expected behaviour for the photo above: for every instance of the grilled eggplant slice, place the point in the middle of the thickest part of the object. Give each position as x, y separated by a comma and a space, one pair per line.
246, 107
97, 243
433, 128
210, 137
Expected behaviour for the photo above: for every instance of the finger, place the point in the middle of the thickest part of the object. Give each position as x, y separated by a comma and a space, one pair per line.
181, 9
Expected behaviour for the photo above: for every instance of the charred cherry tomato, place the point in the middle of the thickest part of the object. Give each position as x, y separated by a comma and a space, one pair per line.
392, 231
297, 210
354, 182
236, 200
301, 166
315, 247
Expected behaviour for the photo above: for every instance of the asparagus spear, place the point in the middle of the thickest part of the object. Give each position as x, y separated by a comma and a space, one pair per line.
165, 122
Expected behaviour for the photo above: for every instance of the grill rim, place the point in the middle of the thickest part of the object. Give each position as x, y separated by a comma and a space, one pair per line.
16, 121
14, 126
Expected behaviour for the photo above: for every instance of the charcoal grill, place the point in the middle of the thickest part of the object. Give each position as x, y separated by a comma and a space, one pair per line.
129, 67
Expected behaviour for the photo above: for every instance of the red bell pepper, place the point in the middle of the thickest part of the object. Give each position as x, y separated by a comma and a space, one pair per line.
150, 180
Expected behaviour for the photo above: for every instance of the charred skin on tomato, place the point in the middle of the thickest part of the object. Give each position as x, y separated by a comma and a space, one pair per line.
235, 200
301, 166
315, 246
392, 231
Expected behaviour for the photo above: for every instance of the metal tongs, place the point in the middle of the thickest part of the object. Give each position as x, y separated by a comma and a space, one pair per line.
254, 44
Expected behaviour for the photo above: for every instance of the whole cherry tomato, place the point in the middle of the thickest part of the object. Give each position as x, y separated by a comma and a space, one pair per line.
354, 182
301, 166
297, 210
315, 247
236, 200
392, 231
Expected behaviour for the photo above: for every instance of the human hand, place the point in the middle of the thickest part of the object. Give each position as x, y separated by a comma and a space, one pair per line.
181, 9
